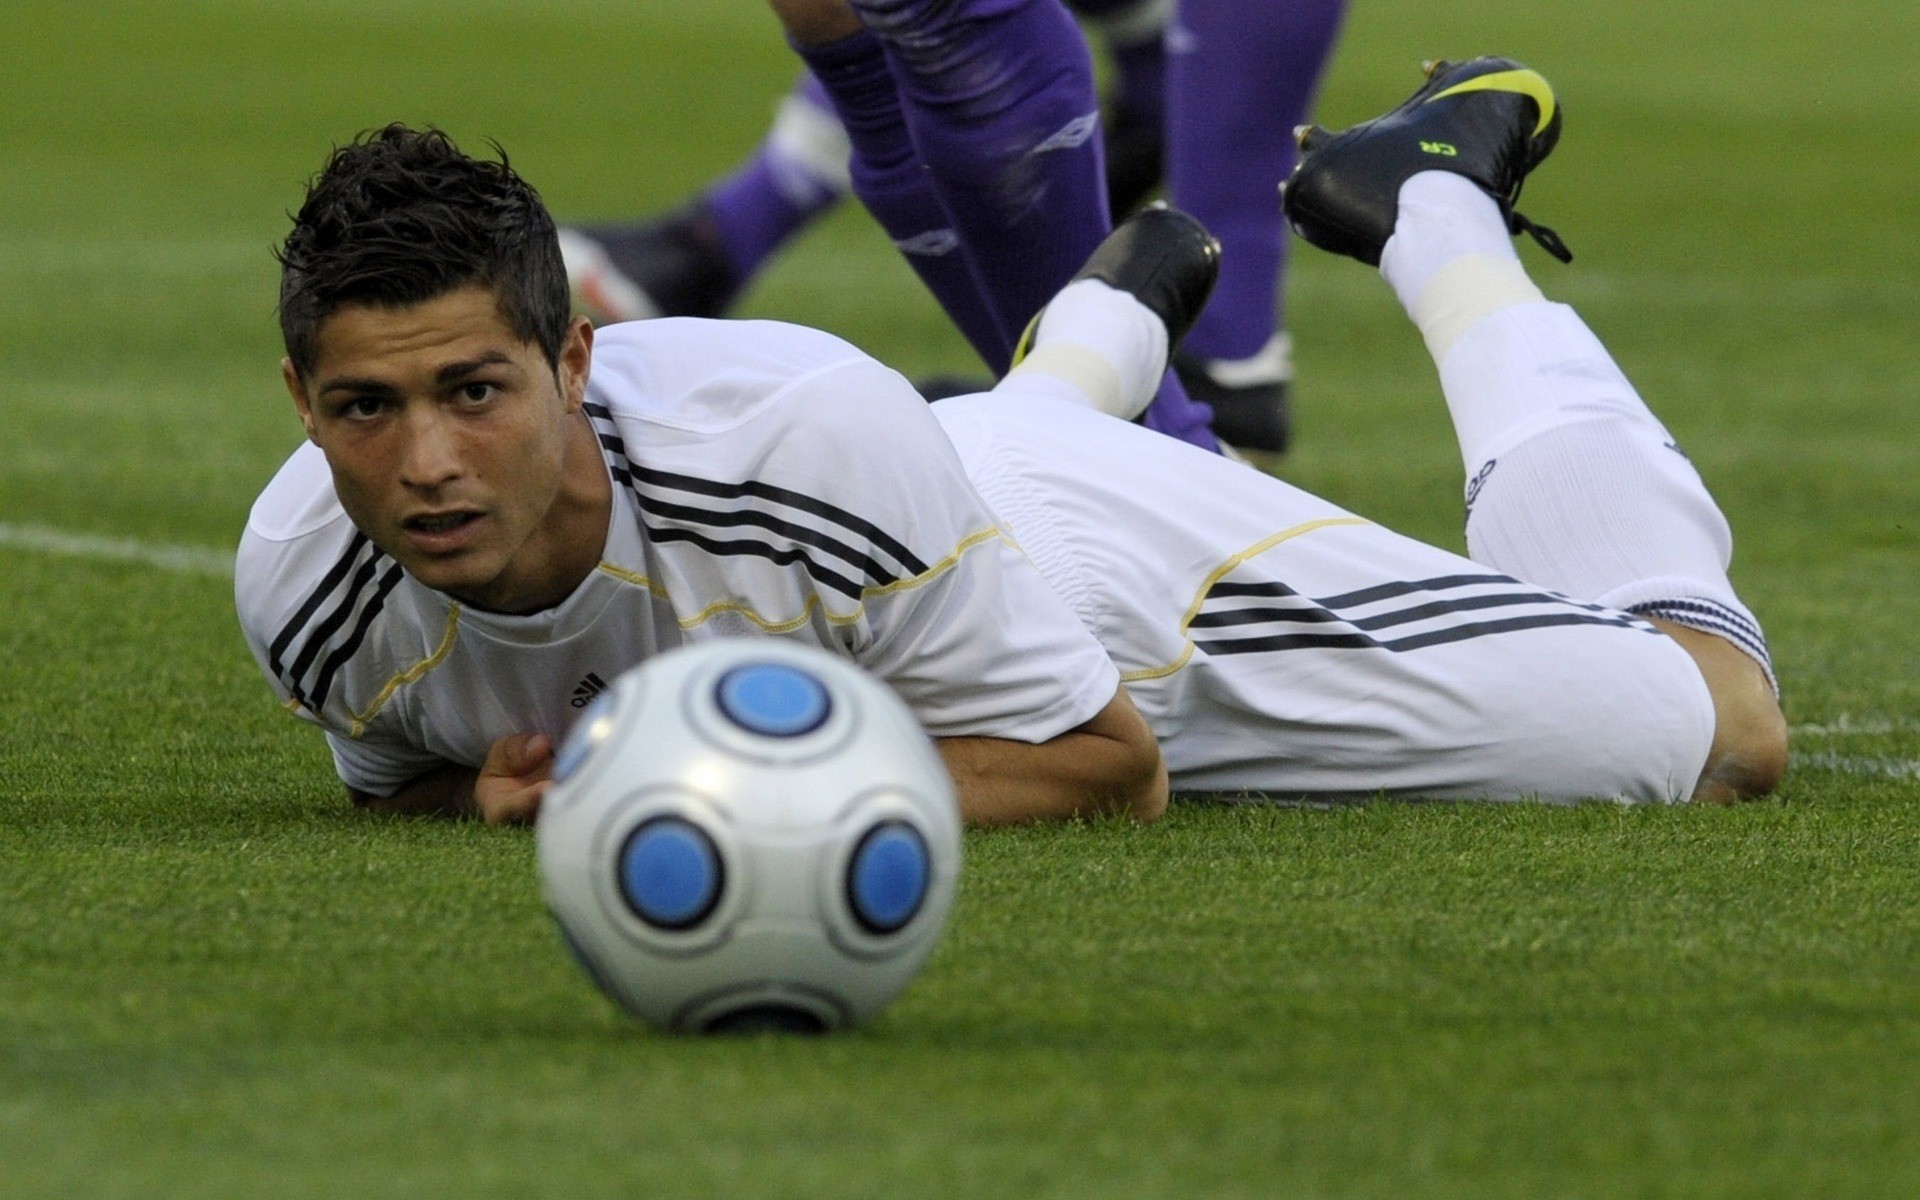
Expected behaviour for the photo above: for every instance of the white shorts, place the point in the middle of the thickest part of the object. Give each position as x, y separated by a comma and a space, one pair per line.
1281, 645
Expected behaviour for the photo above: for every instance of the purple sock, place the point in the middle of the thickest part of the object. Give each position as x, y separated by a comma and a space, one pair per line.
1240, 77
999, 100
784, 186
1178, 415
896, 188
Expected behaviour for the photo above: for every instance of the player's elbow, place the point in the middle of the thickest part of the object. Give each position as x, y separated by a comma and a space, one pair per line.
1135, 773
1749, 756
1147, 788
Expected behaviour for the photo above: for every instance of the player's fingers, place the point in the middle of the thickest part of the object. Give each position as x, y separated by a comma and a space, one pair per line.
518, 754
517, 806
535, 752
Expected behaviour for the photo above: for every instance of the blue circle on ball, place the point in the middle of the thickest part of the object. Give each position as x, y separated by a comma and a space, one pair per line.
670, 873
774, 700
888, 876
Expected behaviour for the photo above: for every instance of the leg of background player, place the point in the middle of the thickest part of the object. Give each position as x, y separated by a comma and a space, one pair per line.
798, 172
890, 180
1134, 33
1572, 482
999, 99
1240, 77
695, 260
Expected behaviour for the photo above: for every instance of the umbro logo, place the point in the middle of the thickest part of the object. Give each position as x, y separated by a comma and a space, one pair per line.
588, 688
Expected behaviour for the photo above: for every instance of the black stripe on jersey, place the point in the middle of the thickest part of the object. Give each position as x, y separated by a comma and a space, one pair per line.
824, 576
632, 476
798, 500
322, 633
1435, 637
323, 682
1224, 618
603, 413
806, 534
332, 580
1375, 593
1427, 606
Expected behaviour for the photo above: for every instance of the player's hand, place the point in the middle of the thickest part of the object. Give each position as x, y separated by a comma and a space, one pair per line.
517, 773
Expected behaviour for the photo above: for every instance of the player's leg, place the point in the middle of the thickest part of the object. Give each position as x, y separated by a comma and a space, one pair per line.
886, 170
695, 260
998, 101
1134, 34
1240, 77
1572, 482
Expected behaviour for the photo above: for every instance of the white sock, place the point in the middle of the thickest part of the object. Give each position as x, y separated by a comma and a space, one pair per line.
1097, 346
1572, 482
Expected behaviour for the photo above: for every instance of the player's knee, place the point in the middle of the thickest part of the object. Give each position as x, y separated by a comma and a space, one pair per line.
1749, 753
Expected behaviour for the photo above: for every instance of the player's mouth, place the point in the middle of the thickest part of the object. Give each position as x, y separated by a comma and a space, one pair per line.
442, 532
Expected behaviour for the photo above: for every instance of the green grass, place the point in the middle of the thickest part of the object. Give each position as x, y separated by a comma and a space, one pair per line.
216, 979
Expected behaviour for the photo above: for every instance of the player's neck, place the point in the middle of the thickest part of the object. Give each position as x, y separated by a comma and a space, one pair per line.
567, 546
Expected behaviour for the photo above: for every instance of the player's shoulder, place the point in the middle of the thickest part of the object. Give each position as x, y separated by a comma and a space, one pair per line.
297, 536
299, 501
703, 378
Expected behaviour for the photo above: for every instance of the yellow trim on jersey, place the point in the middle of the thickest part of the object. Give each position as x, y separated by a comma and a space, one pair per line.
769, 625
1216, 575
633, 577
409, 675
1523, 81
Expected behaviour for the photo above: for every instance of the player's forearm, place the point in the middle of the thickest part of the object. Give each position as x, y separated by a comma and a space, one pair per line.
444, 792
1109, 765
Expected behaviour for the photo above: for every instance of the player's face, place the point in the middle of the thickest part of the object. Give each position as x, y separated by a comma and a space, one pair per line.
458, 449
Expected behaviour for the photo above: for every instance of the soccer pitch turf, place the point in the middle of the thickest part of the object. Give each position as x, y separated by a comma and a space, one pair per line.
217, 979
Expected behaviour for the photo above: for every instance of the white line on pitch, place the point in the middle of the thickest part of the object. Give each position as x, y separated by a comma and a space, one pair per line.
186, 560
1854, 725
1861, 764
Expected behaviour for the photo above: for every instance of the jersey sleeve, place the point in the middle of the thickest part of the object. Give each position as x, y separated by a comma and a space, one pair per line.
375, 766
950, 612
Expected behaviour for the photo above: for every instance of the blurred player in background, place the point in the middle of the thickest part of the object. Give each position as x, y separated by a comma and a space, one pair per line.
1207, 102
500, 506
1240, 76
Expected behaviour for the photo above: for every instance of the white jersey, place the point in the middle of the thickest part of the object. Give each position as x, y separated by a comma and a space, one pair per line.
769, 480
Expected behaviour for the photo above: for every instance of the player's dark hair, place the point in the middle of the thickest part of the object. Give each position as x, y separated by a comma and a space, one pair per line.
400, 216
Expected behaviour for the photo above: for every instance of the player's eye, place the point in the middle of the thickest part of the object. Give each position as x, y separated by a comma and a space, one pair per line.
477, 392
362, 408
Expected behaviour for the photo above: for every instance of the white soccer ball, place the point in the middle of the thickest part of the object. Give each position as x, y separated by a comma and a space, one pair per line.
749, 834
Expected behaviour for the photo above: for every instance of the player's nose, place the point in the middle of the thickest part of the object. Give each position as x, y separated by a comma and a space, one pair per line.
431, 455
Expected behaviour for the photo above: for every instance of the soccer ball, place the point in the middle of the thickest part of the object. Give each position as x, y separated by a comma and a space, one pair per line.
749, 834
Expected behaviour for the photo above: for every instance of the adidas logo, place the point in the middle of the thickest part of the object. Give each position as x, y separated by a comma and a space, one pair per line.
588, 688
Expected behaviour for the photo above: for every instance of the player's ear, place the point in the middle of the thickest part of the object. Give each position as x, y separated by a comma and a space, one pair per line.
576, 357
298, 390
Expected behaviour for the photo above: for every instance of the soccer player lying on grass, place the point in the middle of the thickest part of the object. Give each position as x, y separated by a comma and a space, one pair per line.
500, 509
